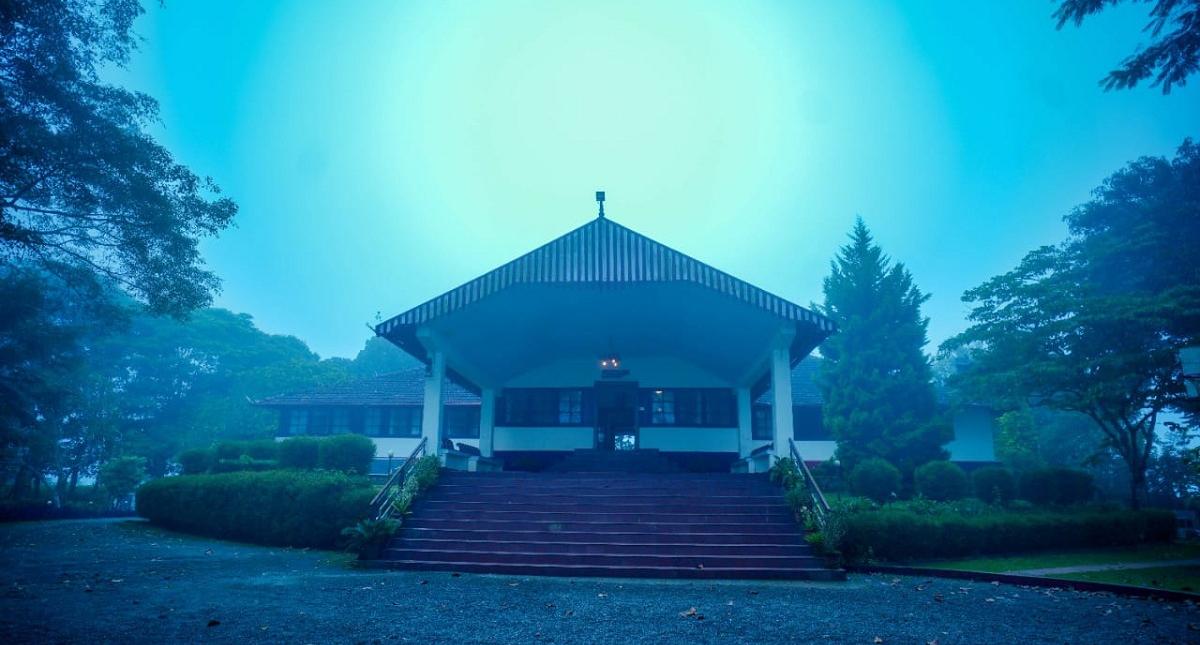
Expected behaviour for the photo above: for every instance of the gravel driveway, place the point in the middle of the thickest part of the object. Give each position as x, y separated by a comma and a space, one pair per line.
122, 580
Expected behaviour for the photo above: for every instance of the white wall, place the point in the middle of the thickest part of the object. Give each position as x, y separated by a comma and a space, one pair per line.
974, 435
564, 438
675, 439
647, 371
816, 450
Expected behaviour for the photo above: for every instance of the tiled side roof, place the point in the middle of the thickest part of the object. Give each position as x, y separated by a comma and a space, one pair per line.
405, 387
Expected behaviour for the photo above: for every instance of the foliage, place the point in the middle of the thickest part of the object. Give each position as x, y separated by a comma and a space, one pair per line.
350, 453
896, 534
994, 484
876, 380
875, 479
279, 507
368, 537
1061, 486
1170, 59
300, 452
82, 184
941, 481
424, 474
347, 453
120, 477
1094, 325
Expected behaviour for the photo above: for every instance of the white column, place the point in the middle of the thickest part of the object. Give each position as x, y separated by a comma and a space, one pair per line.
781, 394
745, 411
431, 413
487, 421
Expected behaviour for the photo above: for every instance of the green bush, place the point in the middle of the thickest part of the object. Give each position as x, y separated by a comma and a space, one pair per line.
350, 453
279, 507
1059, 486
994, 484
897, 535
876, 479
302, 453
196, 461
245, 462
941, 481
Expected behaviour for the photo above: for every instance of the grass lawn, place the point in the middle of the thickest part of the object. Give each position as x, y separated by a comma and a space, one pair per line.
1174, 578
1050, 559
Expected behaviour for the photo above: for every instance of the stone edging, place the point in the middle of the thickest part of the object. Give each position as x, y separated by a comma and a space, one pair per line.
1031, 581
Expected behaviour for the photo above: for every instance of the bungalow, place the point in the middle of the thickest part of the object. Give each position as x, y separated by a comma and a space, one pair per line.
604, 340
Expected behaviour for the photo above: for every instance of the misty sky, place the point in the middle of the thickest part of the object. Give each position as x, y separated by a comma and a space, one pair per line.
384, 152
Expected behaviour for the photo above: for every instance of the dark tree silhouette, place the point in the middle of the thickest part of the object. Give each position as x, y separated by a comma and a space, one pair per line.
1170, 59
82, 185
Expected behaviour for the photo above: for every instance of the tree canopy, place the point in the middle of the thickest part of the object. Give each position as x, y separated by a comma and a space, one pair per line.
82, 184
877, 383
1093, 325
1170, 59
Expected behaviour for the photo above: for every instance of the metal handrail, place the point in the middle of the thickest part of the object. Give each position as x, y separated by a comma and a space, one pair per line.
385, 500
820, 506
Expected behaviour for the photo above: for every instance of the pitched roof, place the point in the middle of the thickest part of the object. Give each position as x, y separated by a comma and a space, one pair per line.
605, 252
405, 387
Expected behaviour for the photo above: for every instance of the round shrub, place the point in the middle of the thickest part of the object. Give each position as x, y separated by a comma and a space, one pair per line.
346, 453
875, 478
994, 484
941, 481
196, 461
302, 453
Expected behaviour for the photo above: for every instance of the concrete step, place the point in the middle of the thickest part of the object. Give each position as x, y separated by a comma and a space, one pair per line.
581, 513
682, 526
605, 504
620, 546
739, 573
475, 534
615, 559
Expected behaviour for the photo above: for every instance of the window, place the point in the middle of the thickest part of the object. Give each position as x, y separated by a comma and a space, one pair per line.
662, 408
373, 422
403, 421
761, 423
339, 421
461, 421
544, 407
570, 407
318, 422
689, 407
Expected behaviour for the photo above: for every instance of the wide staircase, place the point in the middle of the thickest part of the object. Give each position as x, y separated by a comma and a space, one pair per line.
669, 525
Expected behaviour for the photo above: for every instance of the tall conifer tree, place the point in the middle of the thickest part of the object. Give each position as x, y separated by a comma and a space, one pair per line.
876, 380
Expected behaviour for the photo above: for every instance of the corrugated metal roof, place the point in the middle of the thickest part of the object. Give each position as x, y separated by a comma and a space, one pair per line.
607, 252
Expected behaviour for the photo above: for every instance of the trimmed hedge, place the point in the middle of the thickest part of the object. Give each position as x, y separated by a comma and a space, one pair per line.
345, 453
280, 507
888, 534
302, 453
941, 481
350, 453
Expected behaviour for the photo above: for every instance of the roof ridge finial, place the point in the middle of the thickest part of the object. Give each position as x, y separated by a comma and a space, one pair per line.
600, 200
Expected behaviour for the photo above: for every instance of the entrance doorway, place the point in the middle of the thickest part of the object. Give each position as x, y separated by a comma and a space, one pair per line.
616, 415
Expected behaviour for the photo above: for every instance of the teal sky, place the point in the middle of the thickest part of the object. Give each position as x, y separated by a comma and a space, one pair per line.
384, 152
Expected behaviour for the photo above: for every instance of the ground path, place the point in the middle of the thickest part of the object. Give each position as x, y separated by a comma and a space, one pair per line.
119, 581
1112, 566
